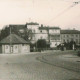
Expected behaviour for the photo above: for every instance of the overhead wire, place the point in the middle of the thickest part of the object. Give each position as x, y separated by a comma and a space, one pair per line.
71, 6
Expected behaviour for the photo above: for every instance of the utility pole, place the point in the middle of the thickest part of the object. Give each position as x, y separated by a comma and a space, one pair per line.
10, 39
48, 36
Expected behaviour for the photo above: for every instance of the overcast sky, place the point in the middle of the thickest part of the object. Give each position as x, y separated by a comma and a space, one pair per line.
62, 13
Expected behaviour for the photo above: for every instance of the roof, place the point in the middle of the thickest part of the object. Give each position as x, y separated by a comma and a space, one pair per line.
18, 26
54, 28
70, 32
22, 26
32, 23
44, 28
14, 40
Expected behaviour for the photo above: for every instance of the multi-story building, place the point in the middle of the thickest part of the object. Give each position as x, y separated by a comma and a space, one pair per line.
54, 34
34, 27
51, 35
70, 35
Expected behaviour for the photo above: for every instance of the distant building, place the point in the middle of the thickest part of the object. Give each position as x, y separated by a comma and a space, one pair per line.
51, 35
70, 35
14, 44
54, 34
34, 27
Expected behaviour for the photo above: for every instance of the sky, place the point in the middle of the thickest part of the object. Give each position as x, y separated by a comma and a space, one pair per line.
62, 13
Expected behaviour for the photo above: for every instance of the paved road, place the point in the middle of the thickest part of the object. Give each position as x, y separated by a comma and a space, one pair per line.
27, 67
66, 61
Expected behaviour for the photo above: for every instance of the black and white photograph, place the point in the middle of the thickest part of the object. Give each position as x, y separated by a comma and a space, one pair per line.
39, 39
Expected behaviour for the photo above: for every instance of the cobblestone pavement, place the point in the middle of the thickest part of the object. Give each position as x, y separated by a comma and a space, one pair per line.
66, 61
26, 67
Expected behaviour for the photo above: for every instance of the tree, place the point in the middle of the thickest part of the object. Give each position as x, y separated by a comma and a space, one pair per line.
4, 32
71, 44
41, 44
27, 33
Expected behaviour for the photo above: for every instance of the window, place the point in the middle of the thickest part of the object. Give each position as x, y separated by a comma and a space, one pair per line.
34, 30
67, 35
76, 40
79, 41
41, 37
72, 35
55, 30
64, 36
6, 46
64, 40
71, 39
21, 31
15, 47
41, 31
22, 44
76, 35
67, 40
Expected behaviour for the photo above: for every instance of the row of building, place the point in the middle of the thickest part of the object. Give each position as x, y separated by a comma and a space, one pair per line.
53, 35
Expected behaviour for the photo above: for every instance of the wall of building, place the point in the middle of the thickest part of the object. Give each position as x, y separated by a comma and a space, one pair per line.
54, 37
54, 31
25, 48
34, 28
43, 34
5, 49
54, 44
69, 37
20, 48
39, 34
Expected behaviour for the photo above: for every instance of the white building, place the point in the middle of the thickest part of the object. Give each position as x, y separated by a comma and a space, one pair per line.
51, 35
70, 35
34, 27
54, 33
14, 44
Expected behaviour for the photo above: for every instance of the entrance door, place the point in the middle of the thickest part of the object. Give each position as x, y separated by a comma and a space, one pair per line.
11, 49
15, 49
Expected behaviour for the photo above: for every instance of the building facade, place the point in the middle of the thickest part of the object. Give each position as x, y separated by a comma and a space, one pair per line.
51, 35
14, 44
34, 27
54, 33
70, 35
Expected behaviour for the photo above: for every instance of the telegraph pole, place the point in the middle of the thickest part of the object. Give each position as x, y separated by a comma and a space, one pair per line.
10, 39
